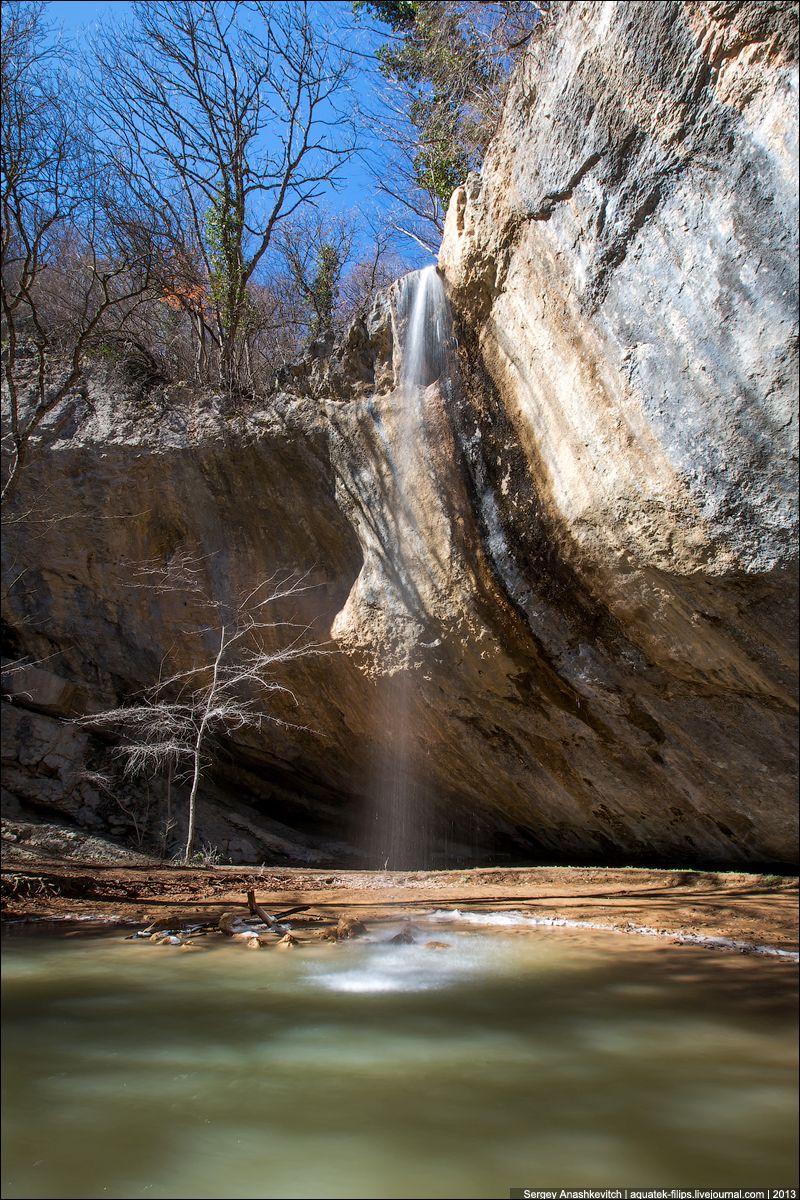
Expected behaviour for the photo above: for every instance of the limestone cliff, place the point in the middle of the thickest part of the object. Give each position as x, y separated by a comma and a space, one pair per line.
575, 560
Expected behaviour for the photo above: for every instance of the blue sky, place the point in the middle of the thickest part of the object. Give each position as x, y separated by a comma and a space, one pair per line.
356, 193
74, 16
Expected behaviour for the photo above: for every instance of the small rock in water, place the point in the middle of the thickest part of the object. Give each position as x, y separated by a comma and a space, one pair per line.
437, 945
254, 943
404, 938
349, 927
234, 922
287, 942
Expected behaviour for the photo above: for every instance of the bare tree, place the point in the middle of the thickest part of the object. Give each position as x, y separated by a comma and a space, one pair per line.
176, 725
334, 264
235, 115
73, 253
316, 248
324, 269
378, 265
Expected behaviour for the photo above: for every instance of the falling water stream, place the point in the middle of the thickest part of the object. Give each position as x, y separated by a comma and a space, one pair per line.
401, 836
425, 311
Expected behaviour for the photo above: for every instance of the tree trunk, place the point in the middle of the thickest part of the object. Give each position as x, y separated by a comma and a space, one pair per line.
187, 854
198, 746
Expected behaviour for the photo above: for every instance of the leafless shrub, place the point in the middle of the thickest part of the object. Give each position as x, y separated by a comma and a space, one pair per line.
174, 726
75, 253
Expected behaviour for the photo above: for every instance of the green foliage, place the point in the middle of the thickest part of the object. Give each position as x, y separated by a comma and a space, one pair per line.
206, 856
432, 59
400, 14
440, 172
451, 58
224, 230
319, 285
108, 353
324, 287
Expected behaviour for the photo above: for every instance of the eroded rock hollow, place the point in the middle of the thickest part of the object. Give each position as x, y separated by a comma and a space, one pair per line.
568, 569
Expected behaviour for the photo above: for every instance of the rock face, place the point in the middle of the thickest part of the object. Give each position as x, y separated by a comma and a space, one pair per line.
559, 586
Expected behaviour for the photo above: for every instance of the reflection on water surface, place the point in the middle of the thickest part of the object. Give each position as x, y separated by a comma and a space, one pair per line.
545, 1057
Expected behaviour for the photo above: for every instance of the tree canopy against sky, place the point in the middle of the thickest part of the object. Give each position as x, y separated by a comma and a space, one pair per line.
427, 82
216, 131
445, 64
236, 116
76, 23
236, 176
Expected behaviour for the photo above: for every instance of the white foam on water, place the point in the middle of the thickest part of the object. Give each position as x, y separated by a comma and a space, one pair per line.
379, 967
696, 939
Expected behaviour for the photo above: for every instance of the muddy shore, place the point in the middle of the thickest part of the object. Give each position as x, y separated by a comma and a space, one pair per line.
746, 908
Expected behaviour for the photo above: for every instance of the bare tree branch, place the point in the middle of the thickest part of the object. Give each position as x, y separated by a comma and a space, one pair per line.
236, 115
72, 251
175, 724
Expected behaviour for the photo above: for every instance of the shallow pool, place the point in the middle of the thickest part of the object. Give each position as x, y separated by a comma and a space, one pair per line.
541, 1058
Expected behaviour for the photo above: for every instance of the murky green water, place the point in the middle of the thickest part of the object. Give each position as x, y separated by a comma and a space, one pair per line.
547, 1058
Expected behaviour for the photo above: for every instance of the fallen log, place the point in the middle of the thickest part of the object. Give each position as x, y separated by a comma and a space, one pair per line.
268, 918
289, 912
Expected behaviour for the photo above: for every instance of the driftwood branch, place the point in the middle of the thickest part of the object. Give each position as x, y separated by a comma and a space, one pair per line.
257, 910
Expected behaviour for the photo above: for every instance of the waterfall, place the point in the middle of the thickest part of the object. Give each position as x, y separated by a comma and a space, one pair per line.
402, 834
426, 338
